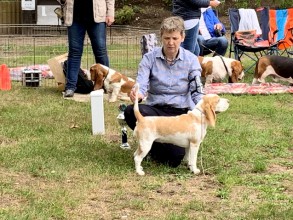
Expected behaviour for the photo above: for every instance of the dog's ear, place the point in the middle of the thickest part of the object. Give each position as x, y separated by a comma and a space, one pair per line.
236, 70
93, 72
209, 109
97, 75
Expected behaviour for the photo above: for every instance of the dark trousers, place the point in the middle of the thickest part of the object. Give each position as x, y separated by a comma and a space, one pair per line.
76, 34
161, 152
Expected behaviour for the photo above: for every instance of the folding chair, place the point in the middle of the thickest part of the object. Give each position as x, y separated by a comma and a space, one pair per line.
246, 22
280, 30
148, 42
290, 52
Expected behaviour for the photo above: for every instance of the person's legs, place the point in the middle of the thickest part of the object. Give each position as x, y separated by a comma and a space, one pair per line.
200, 42
222, 45
190, 40
218, 44
145, 110
97, 35
76, 35
161, 152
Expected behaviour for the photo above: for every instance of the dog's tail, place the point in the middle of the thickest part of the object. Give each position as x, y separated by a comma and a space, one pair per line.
137, 113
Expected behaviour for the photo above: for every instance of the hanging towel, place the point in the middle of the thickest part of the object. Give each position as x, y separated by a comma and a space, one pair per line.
249, 21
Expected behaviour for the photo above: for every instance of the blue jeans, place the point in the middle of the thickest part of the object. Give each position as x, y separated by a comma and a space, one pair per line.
76, 36
217, 44
190, 41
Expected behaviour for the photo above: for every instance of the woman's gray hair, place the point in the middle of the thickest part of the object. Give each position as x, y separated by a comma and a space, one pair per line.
171, 24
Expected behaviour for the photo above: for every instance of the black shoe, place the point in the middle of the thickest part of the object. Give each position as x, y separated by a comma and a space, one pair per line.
68, 93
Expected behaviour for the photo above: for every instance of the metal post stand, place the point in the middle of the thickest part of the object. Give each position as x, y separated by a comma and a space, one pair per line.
120, 118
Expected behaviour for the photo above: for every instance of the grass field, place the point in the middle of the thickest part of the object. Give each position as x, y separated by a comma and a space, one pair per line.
52, 167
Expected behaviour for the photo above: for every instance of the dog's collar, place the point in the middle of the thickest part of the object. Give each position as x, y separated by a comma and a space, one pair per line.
224, 64
200, 111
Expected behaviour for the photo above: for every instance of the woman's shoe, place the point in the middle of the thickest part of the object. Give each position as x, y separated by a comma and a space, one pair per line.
68, 93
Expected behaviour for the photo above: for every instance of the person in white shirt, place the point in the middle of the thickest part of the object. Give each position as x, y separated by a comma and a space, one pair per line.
211, 33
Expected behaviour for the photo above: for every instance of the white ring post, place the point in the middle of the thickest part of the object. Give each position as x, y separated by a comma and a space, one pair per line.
97, 108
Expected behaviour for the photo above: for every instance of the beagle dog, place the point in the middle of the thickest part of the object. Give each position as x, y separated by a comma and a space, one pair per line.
215, 69
114, 83
276, 66
187, 130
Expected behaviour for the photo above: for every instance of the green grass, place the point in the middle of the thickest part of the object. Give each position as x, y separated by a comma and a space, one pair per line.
52, 171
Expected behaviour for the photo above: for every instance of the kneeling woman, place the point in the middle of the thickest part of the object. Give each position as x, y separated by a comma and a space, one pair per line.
169, 78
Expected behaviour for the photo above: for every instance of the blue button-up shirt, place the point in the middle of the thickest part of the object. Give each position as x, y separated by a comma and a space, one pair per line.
174, 85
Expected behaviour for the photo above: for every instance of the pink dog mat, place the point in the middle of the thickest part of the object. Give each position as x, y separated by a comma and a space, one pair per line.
245, 88
16, 72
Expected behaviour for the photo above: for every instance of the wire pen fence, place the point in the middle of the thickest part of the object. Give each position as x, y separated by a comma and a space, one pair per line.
30, 46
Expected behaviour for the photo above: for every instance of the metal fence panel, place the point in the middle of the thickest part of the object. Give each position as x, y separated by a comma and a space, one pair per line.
38, 44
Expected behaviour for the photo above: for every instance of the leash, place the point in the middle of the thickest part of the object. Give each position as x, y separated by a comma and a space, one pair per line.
224, 64
212, 51
201, 149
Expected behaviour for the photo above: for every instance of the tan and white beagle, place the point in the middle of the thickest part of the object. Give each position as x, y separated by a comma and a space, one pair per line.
187, 130
215, 69
116, 84
280, 68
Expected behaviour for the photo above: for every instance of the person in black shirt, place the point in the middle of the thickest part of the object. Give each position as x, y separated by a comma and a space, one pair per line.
81, 17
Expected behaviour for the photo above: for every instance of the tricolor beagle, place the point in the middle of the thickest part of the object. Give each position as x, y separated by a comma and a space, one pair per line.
280, 68
215, 69
187, 130
114, 83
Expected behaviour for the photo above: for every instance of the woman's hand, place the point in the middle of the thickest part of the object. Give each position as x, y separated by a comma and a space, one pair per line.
109, 20
218, 27
214, 3
132, 96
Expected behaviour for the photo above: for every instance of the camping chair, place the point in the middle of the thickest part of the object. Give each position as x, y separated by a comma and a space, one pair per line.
280, 30
246, 36
148, 42
290, 52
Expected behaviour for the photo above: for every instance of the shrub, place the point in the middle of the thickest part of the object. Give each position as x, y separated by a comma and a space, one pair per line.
168, 2
124, 15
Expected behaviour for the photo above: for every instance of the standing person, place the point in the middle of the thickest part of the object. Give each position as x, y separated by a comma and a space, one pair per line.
189, 10
81, 17
169, 78
212, 33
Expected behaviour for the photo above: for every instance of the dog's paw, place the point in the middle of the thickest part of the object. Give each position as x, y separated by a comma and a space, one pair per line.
113, 99
194, 170
140, 172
